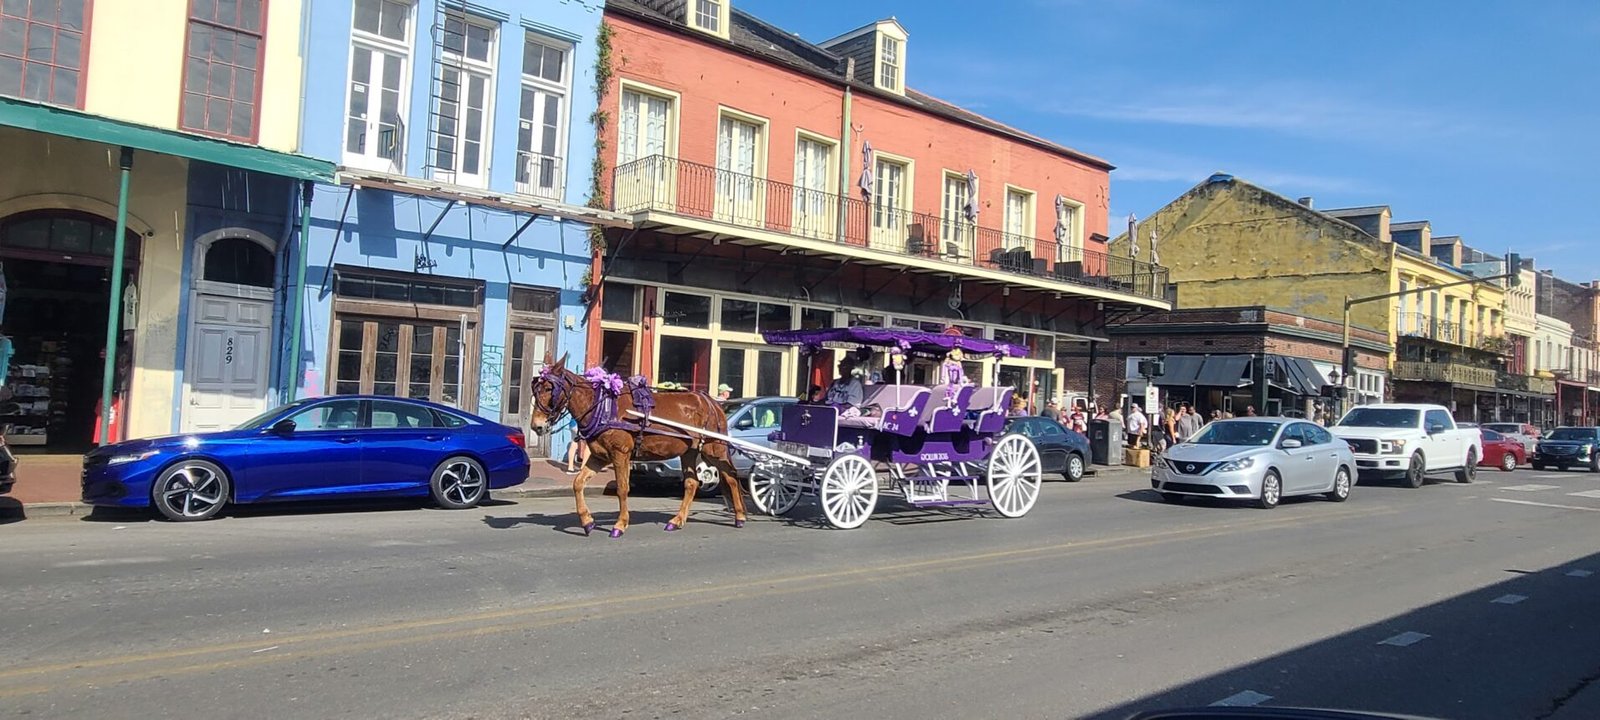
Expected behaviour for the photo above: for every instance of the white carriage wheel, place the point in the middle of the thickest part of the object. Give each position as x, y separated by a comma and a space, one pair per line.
773, 493
849, 491
1015, 475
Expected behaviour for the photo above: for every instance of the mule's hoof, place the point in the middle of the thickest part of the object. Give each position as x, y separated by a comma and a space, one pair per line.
671, 526
738, 524
616, 532
588, 527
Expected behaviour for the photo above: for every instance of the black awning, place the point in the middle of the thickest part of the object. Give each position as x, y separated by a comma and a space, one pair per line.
1224, 371
1305, 375
1180, 371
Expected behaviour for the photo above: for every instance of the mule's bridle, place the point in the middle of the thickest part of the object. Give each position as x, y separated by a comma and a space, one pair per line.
560, 397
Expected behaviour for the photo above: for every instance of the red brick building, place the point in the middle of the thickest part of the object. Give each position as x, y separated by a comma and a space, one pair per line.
777, 183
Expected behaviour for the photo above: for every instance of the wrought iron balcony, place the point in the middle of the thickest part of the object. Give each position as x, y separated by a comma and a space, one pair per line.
540, 176
702, 192
1422, 325
1526, 383
1453, 373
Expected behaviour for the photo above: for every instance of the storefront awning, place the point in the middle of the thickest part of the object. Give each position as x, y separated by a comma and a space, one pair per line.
1297, 375
1224, 371
1180, 371
65, 122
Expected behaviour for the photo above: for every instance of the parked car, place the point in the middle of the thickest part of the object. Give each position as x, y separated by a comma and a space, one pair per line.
749, 419
1524, 433
1409, 442
1061, 451
1260, 459
333, 447
1566, 447
1501, 451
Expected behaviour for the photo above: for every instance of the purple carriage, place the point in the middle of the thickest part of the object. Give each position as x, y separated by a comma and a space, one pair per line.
937, 445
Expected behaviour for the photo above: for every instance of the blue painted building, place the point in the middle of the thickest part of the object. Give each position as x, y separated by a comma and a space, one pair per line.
452, 253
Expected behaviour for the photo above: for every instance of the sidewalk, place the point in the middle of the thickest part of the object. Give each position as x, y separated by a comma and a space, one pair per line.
49, 485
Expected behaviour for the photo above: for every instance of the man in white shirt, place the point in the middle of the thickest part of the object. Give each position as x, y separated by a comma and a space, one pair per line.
1138, 426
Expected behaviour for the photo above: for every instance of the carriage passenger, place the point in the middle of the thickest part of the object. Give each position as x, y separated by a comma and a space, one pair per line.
847, 393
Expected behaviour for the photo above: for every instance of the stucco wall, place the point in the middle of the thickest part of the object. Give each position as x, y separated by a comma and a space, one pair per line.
82, 176
136, 56
1231, 244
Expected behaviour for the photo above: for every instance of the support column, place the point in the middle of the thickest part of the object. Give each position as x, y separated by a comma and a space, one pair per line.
114, 311
298, 292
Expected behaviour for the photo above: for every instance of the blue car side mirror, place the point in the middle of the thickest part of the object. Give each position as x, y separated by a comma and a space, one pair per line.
283, 427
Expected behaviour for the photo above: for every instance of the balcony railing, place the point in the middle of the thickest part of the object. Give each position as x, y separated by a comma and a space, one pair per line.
540, 176
1453, 373
669, 185
1526, 383
1422, 325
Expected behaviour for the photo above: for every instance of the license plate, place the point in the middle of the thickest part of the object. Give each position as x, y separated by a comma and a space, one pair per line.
792, 448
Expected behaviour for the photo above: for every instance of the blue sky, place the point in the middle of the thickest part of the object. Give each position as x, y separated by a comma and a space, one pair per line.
1483, 117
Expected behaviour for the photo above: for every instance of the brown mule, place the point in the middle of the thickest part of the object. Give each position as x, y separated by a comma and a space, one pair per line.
559, 390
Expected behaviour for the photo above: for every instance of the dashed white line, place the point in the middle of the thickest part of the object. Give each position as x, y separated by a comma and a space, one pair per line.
1585, 494
110, 561
1548, 505
1247, 698
1579, 573
1406, 639
1530, 488
1509, 599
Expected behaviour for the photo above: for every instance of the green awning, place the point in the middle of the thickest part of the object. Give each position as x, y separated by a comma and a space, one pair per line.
66, 122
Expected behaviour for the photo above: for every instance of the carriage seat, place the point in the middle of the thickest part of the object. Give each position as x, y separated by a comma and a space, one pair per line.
987, 412
946, 417
888, 400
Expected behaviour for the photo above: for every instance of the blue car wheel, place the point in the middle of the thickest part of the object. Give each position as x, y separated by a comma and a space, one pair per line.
459, 483
193, 489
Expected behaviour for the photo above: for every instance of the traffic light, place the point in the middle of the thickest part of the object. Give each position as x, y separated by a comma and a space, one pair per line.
1514, 269
1349, 361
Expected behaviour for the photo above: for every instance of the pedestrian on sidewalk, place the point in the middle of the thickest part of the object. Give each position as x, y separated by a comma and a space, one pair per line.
1188, 423
1138, 426
1052, 410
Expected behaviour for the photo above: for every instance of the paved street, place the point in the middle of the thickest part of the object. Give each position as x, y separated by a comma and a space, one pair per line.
1458, 601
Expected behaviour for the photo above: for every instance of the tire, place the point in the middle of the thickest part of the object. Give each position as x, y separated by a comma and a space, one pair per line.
773, 493
1074, 471
1014, 475
1417, 471
1594, 463
191, 490
1509, 462
1538, 466
1271, 491
459, 483
1470, 470
848, 491
1341, 485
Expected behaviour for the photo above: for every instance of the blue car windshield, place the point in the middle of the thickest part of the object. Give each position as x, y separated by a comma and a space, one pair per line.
261, 420
1248, 433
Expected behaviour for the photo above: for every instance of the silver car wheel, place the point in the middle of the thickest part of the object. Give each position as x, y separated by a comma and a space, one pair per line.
191, 490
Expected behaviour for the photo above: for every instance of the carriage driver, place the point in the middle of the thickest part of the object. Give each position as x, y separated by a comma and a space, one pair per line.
846, 392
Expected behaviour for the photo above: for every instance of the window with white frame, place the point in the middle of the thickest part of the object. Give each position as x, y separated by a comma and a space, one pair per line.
738, 171
464, 100
889, 62
1069, 218
955, 230
813, 162
642, 129
889, 194
380, 73
709, 15
542, 117
1019, 214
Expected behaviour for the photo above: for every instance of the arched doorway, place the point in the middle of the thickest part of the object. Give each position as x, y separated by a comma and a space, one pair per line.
56, 269
230, 330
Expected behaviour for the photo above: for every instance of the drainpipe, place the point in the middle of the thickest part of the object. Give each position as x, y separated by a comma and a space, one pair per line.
114, 312
845, 153
299, 289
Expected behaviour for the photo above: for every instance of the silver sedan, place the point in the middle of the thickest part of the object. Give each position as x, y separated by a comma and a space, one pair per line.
1258, 459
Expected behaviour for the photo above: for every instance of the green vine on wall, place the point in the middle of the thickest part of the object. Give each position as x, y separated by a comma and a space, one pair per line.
599, 120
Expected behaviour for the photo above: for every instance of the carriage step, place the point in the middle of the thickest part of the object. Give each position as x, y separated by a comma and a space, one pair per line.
947, 503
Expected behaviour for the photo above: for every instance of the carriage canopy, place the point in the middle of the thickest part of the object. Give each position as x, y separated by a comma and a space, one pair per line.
912, 342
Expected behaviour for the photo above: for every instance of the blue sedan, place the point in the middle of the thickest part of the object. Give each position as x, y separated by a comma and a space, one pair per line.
333, 447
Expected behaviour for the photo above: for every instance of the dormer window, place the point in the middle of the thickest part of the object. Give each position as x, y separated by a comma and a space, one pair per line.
709, 16
889, 63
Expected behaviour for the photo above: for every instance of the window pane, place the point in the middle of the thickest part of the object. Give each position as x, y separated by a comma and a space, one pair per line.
683, 310
395, 17
11, 38
813, 318
776, 317
350, 332
386, 414
620, 303
769, 374
739, 316
69, 48
336, 415
239, 261
685, 361
478, 40
730, 371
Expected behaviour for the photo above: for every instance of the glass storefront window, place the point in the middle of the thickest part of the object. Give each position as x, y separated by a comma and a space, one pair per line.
776, 317
616, 350
620, 303
769, 373
685, 310
813, 318
686, 361
730, 370
865, 320
739, 316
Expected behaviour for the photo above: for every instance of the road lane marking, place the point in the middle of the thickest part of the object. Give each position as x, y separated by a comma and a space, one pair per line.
1406, 639
618, 605
1247, 698
1530, 488
1509, 599
1586, 494
1548, 476
110, 561
1579, 573
1548, 505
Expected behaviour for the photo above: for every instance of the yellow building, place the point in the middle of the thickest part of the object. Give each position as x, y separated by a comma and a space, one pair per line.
1228, 243
167, 129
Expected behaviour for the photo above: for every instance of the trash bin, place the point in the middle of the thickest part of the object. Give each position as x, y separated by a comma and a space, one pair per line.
1105, 442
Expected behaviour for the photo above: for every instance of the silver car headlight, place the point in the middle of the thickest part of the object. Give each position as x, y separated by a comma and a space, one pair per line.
1244, 463
132, 457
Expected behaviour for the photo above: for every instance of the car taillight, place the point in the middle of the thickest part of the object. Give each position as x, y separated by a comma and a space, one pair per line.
517, 440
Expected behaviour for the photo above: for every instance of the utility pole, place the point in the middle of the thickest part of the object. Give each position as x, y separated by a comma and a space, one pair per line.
1512, 276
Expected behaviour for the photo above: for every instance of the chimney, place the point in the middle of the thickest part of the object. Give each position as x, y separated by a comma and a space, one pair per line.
1383, 226
1306, 201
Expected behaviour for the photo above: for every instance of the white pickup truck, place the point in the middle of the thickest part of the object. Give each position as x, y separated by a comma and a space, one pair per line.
1409, 442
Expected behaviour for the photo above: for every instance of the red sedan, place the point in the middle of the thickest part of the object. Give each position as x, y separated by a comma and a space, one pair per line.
1501, 451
